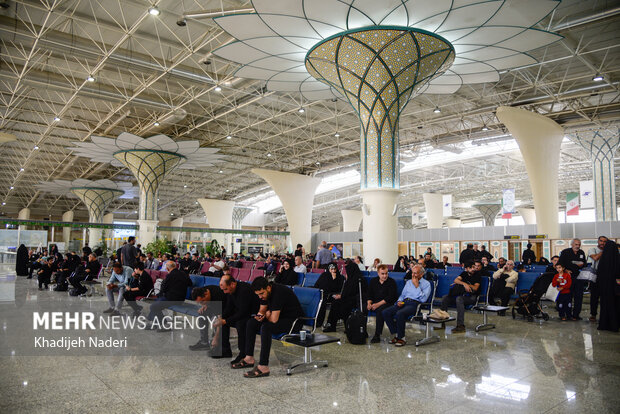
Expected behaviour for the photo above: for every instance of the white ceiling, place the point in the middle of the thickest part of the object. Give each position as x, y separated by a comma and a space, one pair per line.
147, 69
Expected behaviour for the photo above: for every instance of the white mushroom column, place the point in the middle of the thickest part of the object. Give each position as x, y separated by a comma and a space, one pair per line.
67, 216
539, 140
601, 145
351, 220
96, 201
434, 210
238, 214
489, 212
219, 216
527, 214
296, 192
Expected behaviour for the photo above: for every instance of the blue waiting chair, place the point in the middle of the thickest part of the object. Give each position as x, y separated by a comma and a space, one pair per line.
311, 279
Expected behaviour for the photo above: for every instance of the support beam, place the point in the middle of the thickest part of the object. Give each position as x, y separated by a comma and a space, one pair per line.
434, 210
528, 215
539, 140
489, 212
66, 231
380, 230
351, 220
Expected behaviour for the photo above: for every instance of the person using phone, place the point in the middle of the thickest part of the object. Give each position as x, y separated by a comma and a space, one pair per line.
504, 283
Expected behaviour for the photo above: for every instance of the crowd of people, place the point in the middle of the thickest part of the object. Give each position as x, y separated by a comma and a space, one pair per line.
266, 306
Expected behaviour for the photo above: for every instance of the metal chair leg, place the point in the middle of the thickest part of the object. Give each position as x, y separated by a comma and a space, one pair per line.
428, 338
485, 323
307, 363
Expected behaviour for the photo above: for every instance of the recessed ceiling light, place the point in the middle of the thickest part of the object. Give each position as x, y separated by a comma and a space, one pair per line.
301, 110
4, 204
436, 110
269, 154
184, 186
221, 172
36, 147
11, 187
228, 136
598, 78
156, 123
218, 89
90, 78
154, 11
21, 169
317, 163
56, 119
485, 128
337, 135
172, 214
228, 191
135, 211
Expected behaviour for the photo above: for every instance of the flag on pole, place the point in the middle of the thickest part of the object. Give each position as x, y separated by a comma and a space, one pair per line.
447, 205
572, 204
586, 191
508, 203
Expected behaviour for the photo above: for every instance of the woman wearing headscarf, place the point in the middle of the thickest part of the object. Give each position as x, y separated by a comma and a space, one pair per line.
344, 302
21, 261
287, 275
330, 282
608, 276
401, 265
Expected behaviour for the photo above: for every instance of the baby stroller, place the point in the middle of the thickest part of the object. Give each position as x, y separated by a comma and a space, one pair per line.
528, 304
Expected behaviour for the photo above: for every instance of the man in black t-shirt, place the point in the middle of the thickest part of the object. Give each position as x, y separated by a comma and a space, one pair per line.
129, 254
278, 312
382, 293
463, 292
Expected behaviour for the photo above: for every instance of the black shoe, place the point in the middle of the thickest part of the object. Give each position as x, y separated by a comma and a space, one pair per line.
238, 359
109, 310
199, 346
375, 339
216, 355
329, 328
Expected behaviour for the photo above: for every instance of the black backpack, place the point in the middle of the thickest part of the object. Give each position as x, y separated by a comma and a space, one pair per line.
355, 325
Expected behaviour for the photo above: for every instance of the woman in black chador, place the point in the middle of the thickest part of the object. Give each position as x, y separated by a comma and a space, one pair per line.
607, 273
21, 261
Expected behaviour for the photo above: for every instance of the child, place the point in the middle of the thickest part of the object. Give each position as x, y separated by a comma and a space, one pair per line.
562, 281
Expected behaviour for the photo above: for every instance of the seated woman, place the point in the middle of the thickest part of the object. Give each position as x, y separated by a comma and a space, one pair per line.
287, 275
65, 269
375, 265
343, 303
401, 264
330, 282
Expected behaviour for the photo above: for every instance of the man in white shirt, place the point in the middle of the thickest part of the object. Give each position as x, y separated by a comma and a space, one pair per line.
594, 255
218, 264
299, 266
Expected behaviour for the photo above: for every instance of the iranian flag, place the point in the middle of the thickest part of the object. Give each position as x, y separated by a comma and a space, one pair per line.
572, 204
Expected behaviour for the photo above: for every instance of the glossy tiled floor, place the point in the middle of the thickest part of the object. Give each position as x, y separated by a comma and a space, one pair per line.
520, 367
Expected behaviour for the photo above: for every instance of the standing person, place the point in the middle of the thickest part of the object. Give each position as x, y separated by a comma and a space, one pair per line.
323, 257
477, 253
143, 287
594, 255
129, 254
300, 251
416, 291
467, 255
562, 281
382, 293
608, 280
573, 260
21, 261
173, 289
485, 253
278, 313
463, 292
528, 257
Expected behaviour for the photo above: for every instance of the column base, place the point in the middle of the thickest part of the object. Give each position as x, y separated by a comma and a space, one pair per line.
147, 232
380, 230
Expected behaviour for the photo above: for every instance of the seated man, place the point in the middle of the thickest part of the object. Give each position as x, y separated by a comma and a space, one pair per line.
45, 274
217, 266
151, 262
119, 278
551, 267
382, 293
502, 261
486, 266
444, 263
479, 269
241, 304
463, 292
195, 265
185, 262
173, 289
278, 313
65, 269
141, 285
504, 282
429, 263
299, 266
416, 291
90, 272
204, 295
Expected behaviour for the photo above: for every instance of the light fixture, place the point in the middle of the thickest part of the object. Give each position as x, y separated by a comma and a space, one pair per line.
11, 187
185, 186
269, 154
90, 78
317, 163
3, 203
598, 77
228, 191
156, 123
21, 170
436, 110
172, 214
56, 119
228, 136
485, 127
36, 147
221, 172
337, 135
301, 110
218, 88
135, 211
154, 11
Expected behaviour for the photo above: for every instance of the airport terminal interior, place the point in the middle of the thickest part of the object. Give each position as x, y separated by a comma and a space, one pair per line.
309, 206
